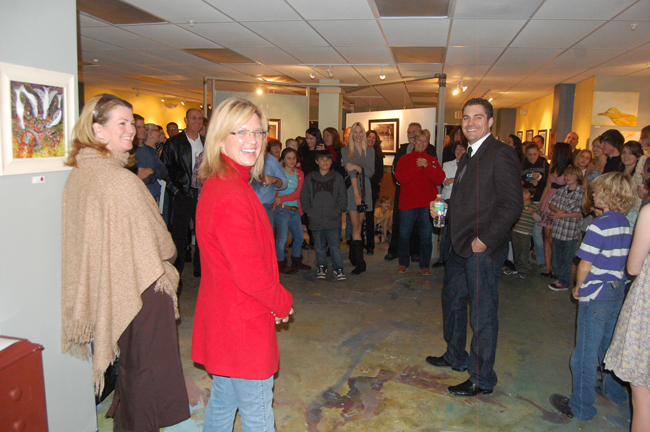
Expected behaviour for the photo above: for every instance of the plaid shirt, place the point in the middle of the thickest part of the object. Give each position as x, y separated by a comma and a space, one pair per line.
569, 201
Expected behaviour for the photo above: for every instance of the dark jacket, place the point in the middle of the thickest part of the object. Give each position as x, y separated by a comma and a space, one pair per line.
323, 198
486, 200
177, 157
527, 171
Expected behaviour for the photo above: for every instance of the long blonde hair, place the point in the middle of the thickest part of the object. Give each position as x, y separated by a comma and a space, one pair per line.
83, 135
229, 115
351, 143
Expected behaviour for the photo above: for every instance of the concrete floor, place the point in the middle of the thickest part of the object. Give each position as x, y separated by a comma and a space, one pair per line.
353, 356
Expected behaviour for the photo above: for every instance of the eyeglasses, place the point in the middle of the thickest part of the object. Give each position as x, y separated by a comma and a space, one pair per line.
100, 104
242, 134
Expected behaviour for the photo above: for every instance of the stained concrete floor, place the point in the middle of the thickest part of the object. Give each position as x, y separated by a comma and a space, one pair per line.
352, 358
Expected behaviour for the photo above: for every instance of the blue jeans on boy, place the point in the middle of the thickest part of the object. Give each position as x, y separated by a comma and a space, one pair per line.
538, 242
253, 398
563, 253
596, 324
286, 220
323, 238
407, 220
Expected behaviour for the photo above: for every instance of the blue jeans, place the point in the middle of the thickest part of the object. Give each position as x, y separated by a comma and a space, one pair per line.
253, 398
332, 238
563, 253
407, 220
596, 324
538, 241
466, 280
286, 220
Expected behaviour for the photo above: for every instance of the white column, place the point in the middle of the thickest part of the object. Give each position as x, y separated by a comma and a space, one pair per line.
330, 108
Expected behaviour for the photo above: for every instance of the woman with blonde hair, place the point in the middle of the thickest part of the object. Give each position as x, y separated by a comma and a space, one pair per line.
119, 283
240, 297
359, 162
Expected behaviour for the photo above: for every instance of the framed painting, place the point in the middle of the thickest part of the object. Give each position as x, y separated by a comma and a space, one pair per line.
37, 113
388, 131
543, 133
274, 129
529, 135
520, 135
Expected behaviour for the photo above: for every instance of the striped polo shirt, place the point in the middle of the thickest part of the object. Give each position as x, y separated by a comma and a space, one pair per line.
606, 245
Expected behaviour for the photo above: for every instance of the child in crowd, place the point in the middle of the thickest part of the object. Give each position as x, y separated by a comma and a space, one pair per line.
275, 148
566, 213
324, 199
383, 221
287, 215
292, 143
534, 171
522, 232
600, 290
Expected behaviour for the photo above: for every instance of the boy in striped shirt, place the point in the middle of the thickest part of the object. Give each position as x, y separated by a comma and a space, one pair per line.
522, 234
600, 290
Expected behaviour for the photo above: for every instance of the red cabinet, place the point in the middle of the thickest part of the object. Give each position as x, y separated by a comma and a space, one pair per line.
22, 392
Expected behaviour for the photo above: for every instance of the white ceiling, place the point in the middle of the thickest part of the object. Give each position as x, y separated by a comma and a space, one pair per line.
518, 49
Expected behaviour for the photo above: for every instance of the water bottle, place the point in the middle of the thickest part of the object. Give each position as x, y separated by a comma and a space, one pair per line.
439, 212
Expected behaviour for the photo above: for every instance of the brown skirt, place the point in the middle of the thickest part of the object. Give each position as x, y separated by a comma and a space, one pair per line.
150, 392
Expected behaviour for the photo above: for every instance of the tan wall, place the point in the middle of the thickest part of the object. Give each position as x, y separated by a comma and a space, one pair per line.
583, 102
149, 107
539, 116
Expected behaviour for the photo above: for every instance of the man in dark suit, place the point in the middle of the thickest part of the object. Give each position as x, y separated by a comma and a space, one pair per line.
179, 156
485, 202
415, 237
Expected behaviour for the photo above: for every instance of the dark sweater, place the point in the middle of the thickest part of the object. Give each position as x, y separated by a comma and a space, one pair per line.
527, 170
323, 198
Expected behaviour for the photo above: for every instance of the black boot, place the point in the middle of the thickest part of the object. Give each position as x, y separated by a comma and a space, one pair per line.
357, 246
353, 258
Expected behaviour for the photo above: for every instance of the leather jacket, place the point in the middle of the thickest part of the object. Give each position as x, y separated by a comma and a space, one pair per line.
177, 157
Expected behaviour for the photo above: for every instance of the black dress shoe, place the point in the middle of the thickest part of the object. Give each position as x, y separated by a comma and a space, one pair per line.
467, 388
441, 362
438, 264
389, 257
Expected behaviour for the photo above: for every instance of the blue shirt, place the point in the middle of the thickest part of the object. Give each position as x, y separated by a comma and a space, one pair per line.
146, 157
606, 245
272, 167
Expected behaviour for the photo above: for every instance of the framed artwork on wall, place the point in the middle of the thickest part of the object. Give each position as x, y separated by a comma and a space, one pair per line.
37, 113
529, 135
543, 133
388, 131
274, 129
520, 135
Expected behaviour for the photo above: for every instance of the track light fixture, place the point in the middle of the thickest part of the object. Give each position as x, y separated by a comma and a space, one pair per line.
312, 75
329, 72
382, 76
259, 91
183, 102
137, 92
163, 98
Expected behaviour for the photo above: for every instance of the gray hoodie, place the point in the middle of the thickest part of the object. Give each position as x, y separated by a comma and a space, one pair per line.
323, 198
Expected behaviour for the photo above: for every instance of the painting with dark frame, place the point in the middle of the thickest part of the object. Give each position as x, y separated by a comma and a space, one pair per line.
274, 128
388, 131
543, 133
529, 135
520, 135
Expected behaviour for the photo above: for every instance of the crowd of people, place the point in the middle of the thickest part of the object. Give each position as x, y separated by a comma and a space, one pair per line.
246, 199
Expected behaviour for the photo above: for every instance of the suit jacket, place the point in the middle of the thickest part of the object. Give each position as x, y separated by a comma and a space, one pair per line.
177, 157
487, 200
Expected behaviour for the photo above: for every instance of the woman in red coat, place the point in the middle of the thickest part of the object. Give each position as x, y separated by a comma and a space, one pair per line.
240, 298
419, 175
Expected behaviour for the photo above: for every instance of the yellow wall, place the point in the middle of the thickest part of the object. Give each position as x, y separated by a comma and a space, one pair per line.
583, 102
539, 116
149, 107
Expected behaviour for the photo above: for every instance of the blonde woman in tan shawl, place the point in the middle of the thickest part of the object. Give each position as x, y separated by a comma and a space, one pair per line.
119, 284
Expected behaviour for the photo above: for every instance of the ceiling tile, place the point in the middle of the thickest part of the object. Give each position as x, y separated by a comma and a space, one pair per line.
255, 10
554, 34
267, 55
636, 57
470, 71
495, 9
528, 56
581, 9
229, 35
175, 12
638, 12
377, 55
416, 32
89, 44
122, 38
89, 21
584, 57
332, 9
350, 32
641, 73
287, 33
471, 55
484, 33
315, 54
171, 35
617, 35
615, 70
411, 69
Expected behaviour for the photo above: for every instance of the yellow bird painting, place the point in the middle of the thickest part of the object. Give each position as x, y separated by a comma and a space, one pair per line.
619, 118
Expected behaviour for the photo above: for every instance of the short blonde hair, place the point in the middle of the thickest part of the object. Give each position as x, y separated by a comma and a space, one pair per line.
351, 145
572, 169
615, 190
83, 135
424, 133
229, 115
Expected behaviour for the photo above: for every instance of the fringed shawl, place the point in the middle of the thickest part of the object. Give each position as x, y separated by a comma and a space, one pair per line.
115, 246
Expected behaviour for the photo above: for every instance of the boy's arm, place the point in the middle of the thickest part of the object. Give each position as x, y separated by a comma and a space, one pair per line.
581, 274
